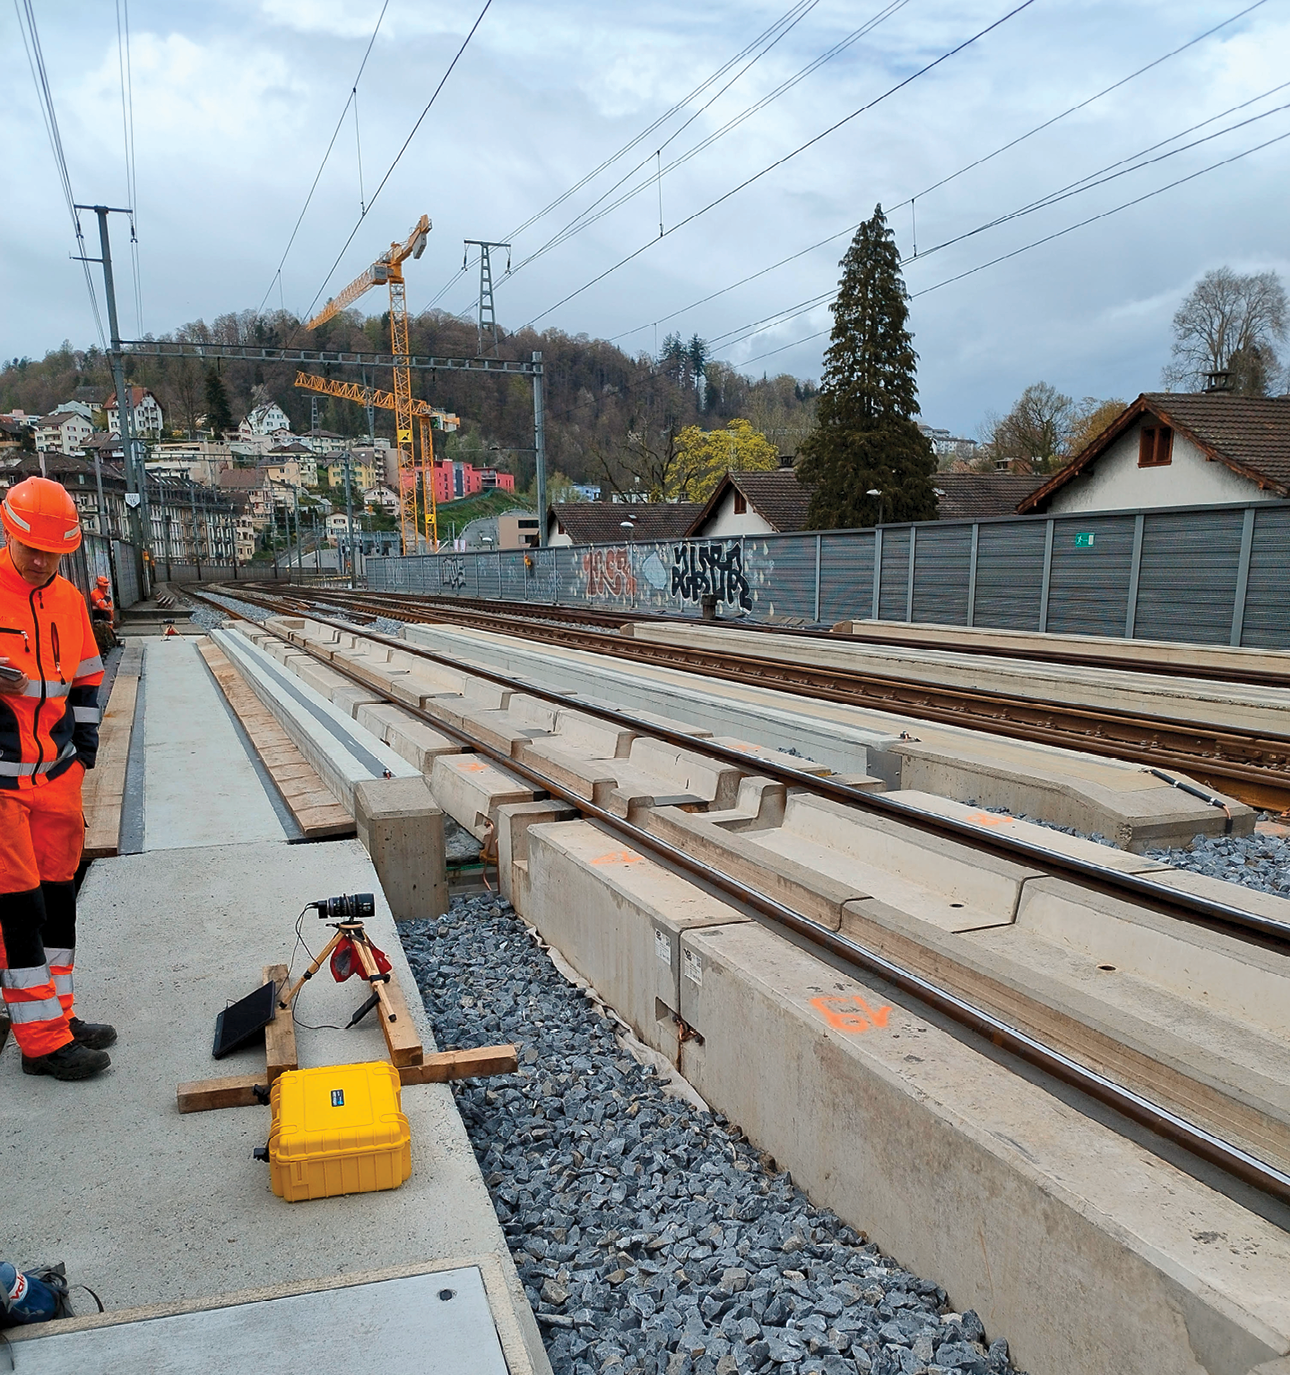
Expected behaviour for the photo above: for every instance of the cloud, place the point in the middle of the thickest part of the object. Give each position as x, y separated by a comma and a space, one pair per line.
234, 105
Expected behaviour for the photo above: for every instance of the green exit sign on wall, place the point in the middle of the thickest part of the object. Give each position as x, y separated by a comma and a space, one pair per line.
1084, 540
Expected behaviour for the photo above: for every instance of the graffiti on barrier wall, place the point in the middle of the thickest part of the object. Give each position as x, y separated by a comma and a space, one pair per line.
714, 568
452, 573
608, 572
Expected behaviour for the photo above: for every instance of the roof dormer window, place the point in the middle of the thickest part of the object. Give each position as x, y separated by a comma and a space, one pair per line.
1155, 446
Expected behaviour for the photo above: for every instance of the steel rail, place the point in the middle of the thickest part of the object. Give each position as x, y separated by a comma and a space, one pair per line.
1039, 653
1137, 1107
1189, 907
1227, 760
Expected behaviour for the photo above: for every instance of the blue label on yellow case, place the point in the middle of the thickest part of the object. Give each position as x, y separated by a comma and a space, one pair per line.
338, 1098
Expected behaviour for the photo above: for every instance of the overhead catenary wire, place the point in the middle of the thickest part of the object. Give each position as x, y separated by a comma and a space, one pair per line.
794, 12
45, 99
1101, 177
1048, 238
968, 167
127, 138
787, 157
331, 143
434, 95
587, 219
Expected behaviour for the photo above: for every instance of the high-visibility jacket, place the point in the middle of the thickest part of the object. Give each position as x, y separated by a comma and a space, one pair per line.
45, 631
101, 601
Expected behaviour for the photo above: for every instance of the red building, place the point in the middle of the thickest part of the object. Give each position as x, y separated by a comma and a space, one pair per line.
452, 481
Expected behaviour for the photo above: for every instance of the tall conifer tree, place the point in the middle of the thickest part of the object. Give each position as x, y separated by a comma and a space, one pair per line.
866, 436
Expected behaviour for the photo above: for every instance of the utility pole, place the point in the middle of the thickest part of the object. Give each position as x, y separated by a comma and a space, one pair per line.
313, 415
539, 447
349, 516
370, 407
135, 476
487, 317
295, 506
197, 549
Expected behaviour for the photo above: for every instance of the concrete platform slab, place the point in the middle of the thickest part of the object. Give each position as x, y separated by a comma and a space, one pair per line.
325, 1331
200, 786
154, 1207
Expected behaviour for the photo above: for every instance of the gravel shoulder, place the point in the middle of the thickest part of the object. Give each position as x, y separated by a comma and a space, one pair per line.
650, 1235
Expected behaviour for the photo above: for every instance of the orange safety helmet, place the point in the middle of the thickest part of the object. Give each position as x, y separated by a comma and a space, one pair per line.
40, 513
102, 580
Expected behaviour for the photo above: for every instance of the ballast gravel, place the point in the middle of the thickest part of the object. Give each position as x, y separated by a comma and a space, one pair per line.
210, 619
651, 1236
1256, 861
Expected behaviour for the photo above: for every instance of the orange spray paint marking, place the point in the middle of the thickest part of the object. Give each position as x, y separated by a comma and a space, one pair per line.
989, 819
850, 1014
619, 857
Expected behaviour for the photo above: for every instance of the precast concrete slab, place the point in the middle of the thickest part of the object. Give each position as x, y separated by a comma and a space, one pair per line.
617, 917
1092, 1253
324, 1331
148, 1206
1093, 794
470, 790
343, 753
199, 785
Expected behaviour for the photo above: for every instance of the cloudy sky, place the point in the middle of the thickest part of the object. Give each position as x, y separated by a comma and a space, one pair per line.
234, 102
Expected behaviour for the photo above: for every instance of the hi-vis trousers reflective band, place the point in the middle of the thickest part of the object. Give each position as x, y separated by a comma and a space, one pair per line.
41, 836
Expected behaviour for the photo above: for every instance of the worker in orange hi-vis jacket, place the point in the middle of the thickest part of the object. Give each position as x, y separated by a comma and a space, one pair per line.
101, 614
50, 673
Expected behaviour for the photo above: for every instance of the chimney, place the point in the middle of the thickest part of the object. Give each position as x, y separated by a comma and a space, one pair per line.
1218, 380
787, 460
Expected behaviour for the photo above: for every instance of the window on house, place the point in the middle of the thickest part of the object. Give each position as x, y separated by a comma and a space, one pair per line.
741, 503
1155, 446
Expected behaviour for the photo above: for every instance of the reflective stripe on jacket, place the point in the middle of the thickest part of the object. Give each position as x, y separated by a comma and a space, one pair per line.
45, 631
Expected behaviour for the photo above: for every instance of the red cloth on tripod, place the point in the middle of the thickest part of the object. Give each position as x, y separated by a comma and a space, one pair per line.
345, 961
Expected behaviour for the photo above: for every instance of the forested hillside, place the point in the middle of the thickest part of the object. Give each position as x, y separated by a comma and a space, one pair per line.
611, 417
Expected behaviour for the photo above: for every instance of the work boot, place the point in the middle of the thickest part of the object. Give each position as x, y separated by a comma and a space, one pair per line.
72, 1061
92, 1035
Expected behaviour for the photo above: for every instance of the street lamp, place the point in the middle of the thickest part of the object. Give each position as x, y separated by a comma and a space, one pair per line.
874, 492
629, 525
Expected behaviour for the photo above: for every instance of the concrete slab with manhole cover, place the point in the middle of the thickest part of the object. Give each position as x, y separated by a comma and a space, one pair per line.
437, 1321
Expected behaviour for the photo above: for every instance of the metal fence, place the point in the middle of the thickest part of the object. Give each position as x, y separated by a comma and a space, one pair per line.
1210, 575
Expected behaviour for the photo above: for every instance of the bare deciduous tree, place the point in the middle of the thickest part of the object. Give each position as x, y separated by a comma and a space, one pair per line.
1036, 431
1229, 323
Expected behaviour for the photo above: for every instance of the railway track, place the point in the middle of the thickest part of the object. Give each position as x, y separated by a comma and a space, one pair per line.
1254, 769
937, 994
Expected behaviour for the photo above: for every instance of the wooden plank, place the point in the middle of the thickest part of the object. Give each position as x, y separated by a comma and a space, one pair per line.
103, 791
478, 1062
205, 1095
401, 1037
280, 1034
308, 798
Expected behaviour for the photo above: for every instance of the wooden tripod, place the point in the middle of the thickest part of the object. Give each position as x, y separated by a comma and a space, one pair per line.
358, 937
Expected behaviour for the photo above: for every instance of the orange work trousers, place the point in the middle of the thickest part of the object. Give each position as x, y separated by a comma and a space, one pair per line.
42, 834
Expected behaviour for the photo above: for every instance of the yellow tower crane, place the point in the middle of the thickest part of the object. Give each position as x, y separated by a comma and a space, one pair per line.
428, 418
388, 270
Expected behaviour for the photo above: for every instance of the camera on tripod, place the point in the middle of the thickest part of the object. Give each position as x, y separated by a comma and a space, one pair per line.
347, 907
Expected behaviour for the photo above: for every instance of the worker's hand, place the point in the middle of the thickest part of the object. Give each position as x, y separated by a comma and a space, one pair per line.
9, 685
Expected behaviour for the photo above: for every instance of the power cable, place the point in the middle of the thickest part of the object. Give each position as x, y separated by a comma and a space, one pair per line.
788, 157
353, 96
127, 138
389, 171
1094, 179
587, 219
1048, 238
45, 99
977, 162
791, 15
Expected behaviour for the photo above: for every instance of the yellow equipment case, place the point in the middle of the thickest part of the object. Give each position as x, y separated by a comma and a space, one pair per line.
338, 1129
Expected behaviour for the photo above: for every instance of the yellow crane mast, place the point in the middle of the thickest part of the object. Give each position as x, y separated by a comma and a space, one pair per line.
387, 270
428, 417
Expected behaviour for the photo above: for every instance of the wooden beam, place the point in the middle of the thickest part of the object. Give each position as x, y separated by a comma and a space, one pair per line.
316, 812
476, 1063
103, 791
280, 1034
401, 1037
204, 1095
